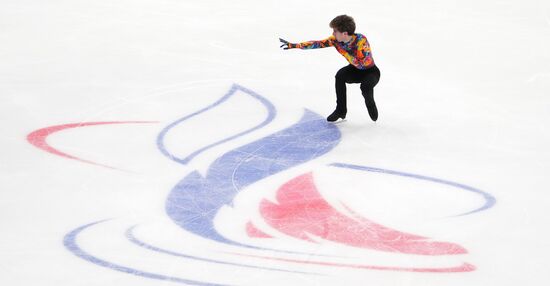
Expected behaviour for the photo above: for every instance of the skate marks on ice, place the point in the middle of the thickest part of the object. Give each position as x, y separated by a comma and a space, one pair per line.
301, 232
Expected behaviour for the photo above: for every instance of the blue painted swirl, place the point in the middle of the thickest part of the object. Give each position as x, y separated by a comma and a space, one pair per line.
70, 242
490, 201
271, 112
194, 202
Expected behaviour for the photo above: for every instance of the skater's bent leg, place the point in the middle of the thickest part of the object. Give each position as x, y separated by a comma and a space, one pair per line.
368, 83
367, 89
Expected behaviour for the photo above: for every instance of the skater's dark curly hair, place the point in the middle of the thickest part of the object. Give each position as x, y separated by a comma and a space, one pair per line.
343, 23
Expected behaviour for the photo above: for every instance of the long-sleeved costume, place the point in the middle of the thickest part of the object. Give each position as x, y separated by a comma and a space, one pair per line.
361, 69
357, 51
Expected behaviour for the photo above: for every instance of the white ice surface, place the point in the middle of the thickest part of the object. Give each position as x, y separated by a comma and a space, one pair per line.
464, 96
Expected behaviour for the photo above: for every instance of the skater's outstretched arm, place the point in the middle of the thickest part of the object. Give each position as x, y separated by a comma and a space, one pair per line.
328, 42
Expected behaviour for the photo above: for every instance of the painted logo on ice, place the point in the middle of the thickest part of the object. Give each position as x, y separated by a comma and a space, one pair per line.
296, 222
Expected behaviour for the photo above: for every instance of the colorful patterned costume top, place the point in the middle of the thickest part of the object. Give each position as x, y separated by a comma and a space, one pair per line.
357, 51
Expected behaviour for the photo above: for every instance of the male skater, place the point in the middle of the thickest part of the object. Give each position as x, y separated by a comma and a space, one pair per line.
361, 69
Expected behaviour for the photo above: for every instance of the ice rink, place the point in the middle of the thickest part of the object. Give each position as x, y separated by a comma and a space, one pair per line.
173, 142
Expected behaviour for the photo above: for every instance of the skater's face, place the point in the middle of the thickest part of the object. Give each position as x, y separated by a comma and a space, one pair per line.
341, 37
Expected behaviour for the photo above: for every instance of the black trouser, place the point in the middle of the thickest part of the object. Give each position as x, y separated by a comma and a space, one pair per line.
349, 74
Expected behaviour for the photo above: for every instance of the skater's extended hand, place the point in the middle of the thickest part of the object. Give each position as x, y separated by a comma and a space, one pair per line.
286, 45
